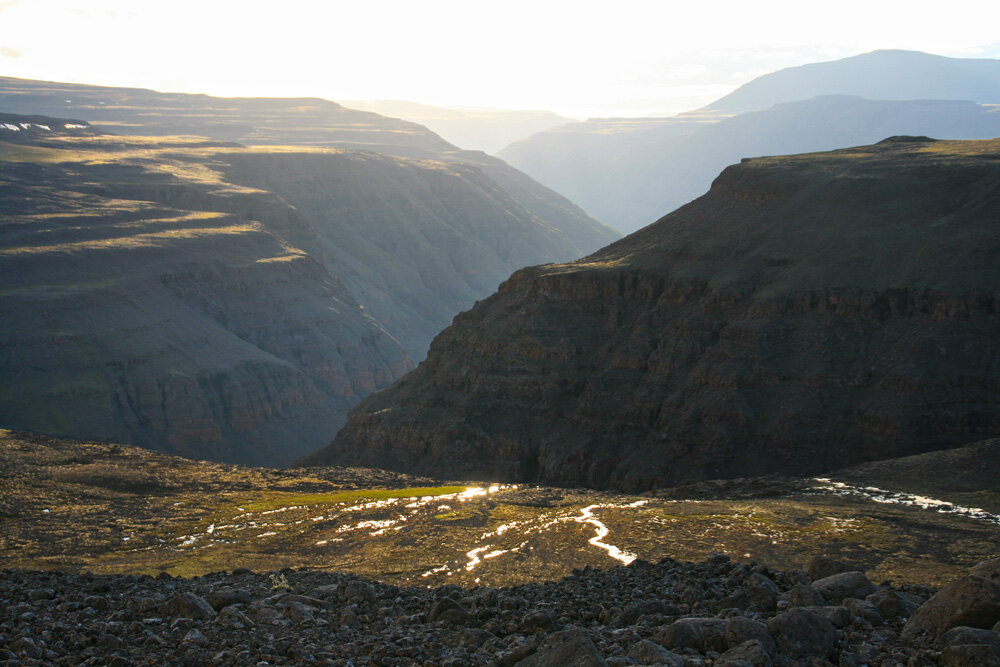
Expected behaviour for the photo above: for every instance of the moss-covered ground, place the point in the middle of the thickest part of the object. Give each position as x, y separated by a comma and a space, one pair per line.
108, 508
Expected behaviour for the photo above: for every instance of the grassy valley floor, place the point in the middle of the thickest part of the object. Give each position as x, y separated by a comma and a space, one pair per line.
107, 508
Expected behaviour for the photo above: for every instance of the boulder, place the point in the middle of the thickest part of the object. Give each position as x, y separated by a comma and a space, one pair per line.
195, 636
987, 569
760, 594
963, 634
702, 634
967, 647
740, 629
892, 604
971, 655
634, 612
569, 648
836, 587
647, 652
800, 633
536, 621
357, 590
223, 597
804, 595
447, 609
187, 605
748, 654
971, 600
863, 609
233, 618
838, 615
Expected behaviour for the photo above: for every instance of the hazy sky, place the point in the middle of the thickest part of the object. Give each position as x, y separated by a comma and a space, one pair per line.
580, 58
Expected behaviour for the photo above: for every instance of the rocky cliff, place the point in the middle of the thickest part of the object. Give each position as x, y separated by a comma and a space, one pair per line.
416, 241
229, 302
809, 312
146, 300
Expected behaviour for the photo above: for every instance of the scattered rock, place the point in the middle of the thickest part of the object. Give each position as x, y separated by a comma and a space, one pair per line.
800, 633
971, 600
863, 609
740, 629
836, 587
164, 621
748, 654
892, 604
804, 595
647, 652
223, 597
188, 605
569, 648
703, 634
536, 621
447, 609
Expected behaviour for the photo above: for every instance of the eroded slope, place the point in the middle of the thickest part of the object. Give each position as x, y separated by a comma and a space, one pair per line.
810, 312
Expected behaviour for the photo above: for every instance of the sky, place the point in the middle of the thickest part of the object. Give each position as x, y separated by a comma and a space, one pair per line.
577, 58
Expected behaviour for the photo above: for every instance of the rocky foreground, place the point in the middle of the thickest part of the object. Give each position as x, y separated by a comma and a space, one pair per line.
717, 612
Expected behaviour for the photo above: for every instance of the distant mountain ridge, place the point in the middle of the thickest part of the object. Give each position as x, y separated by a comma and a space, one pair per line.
487, 130
809, 312
879, 75
629, 172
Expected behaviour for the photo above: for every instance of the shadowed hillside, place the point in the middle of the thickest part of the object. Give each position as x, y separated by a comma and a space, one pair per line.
809, 312
291, 121
228, 302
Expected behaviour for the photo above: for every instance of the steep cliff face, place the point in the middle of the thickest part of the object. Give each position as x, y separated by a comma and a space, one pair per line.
808, 312
230, 302
416, 241
146, 300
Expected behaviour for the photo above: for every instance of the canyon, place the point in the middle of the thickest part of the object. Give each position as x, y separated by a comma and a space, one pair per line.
809, 312
202, 297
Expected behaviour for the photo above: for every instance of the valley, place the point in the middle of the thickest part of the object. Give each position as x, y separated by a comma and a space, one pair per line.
227, 302
284, 381
809, 313
149, 513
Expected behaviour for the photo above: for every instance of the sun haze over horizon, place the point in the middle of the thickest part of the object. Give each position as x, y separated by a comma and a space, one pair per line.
574, 58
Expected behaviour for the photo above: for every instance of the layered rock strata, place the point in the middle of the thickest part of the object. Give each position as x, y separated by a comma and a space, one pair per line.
809, 312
